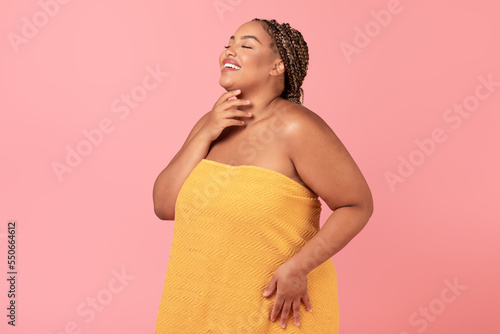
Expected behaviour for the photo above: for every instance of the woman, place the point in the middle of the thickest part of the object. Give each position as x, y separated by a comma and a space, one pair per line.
243, 190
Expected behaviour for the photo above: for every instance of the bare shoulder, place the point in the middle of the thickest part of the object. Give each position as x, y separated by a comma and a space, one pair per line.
322, 161
302, 122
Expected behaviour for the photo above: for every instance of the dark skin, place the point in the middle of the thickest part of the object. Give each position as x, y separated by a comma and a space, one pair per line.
297, 144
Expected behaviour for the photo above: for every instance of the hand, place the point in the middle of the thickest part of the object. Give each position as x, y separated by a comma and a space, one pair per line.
223, 113
291, 285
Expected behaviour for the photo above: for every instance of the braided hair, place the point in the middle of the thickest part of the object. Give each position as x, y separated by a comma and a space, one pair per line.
293, 50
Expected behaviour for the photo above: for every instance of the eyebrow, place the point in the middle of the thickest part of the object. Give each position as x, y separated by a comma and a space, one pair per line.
247, 37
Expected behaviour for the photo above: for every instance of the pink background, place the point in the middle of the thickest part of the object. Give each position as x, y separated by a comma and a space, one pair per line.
437, 224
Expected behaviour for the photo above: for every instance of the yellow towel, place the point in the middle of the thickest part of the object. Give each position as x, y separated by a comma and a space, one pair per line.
234, 226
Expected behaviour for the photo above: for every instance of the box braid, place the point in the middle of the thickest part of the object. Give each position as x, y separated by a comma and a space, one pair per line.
293, 50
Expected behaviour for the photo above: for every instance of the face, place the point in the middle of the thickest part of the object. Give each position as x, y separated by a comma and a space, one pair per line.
250, 49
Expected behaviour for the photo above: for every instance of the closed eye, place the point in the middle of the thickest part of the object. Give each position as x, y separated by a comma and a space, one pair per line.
243, 46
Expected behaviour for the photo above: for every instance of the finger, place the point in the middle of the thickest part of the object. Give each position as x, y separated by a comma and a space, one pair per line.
296, 311
231, 122
236, 103
228, 114
276, 308
284, 313
270, 287
226, 96
241, 113
307, 302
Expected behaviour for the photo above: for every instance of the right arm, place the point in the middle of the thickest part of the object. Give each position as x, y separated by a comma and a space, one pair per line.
170, 180
196, 147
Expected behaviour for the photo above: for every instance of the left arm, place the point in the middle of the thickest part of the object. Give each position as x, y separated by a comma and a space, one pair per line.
325, 165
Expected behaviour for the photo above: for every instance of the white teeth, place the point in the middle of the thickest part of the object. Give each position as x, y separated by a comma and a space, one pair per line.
226, 65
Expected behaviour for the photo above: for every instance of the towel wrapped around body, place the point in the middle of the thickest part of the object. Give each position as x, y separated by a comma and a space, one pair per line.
234, 226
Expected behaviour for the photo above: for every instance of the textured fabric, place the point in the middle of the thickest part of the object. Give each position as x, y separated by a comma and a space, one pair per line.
234, 226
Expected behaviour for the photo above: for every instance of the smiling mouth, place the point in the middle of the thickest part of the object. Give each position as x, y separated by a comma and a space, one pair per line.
231, 66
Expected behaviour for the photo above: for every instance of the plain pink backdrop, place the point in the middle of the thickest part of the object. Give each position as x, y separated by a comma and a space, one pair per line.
435, 223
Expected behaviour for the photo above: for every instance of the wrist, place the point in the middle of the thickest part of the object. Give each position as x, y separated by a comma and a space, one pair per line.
202, 138
298, 265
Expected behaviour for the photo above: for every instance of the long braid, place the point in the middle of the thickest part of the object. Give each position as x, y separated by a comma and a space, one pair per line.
293, 50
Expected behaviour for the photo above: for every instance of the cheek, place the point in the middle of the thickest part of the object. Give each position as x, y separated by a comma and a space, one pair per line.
256, 65
265, 62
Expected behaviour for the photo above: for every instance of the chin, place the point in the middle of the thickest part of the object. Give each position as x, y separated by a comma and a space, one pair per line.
226, 84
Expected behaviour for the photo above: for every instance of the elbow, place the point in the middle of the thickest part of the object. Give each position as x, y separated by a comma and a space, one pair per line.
364, 211
367, 206
369, 211
364, 207
163, 213
161, 206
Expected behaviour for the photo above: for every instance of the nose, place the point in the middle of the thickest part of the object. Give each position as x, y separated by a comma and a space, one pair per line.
229, 51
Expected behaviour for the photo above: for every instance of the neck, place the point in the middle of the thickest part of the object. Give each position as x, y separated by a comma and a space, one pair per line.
259, 105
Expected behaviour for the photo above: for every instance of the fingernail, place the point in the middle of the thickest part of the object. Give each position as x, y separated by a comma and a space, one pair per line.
282, 325
310, 310
297, 322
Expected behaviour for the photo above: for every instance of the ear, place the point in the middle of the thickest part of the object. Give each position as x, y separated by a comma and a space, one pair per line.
278, 68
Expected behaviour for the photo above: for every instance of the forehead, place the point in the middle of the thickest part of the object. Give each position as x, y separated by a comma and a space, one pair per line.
253, 28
